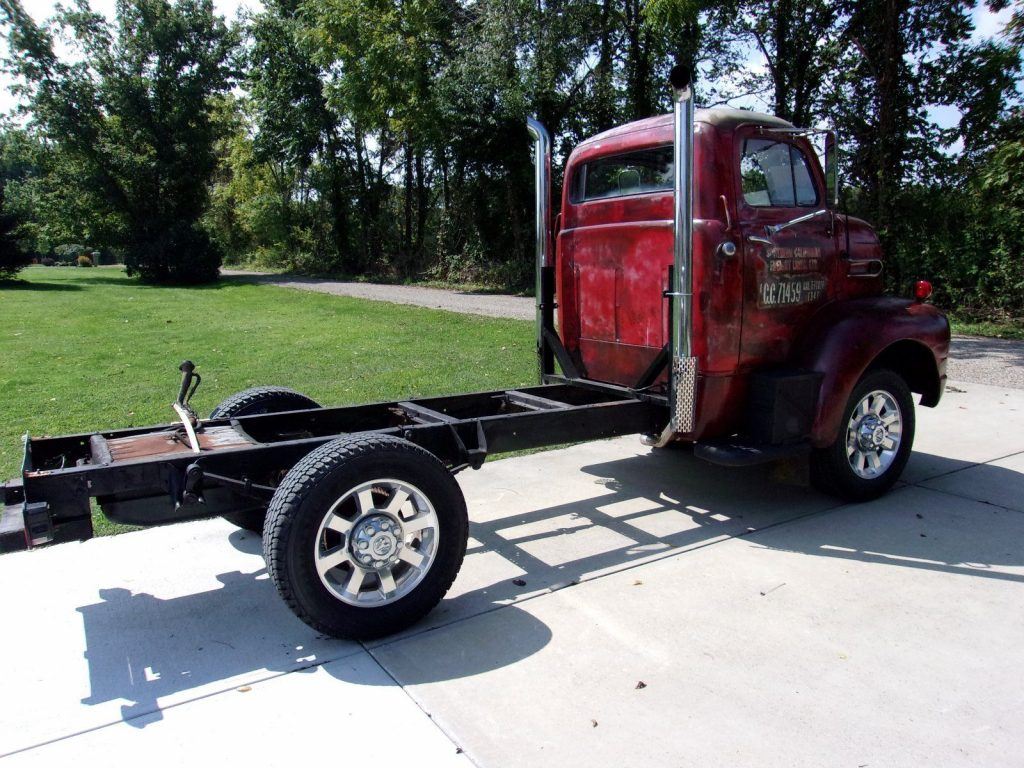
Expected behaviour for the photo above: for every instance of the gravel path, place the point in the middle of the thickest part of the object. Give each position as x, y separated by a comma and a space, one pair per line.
466, 302
999, 362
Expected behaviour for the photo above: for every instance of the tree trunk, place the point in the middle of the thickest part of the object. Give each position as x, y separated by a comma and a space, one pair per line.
891, 128
783, 59
421, 205
407, 239
604, 109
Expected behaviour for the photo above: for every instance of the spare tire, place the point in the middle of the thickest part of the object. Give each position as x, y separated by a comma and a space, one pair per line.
251, 402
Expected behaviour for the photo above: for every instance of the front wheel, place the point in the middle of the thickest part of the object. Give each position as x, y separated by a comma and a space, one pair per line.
874, 441
365, 535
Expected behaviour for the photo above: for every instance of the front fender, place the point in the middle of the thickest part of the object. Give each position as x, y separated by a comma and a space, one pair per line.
847, 337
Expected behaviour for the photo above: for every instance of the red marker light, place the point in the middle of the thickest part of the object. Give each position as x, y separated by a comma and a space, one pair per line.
922, 290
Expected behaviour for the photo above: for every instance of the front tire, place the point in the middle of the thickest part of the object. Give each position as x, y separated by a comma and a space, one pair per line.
365, 535
874, 442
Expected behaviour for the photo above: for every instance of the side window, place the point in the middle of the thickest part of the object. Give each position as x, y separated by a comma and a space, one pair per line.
775, 173
633, 173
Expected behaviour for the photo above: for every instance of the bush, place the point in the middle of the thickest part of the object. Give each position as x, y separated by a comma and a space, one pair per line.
185, 254
69, 251
12, 256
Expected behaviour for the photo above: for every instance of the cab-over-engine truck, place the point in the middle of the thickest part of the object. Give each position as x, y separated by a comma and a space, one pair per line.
708, 292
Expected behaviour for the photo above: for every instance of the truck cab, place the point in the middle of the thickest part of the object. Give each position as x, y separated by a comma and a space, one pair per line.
788, 312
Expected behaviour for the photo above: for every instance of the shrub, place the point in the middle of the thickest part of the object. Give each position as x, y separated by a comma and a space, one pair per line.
180, 254
12, 256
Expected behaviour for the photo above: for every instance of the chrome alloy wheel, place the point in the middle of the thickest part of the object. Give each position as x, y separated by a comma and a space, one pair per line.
873, 434
376, 543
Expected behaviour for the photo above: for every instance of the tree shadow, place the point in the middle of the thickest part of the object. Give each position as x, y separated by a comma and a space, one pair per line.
135, 283
976, 348
26, 285
643, 508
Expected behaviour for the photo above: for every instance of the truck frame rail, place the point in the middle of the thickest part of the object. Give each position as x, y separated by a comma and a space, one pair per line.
154, 475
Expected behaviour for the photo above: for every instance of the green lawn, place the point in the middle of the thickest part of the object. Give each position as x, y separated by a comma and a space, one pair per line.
997, 330
89, 349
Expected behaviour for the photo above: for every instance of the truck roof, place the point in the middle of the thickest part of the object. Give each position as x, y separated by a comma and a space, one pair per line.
726, 117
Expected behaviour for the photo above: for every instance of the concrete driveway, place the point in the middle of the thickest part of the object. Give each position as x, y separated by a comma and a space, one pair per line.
617, 607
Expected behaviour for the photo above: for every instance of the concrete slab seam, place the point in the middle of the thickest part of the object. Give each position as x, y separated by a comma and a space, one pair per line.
964, 497
632, 566
419, 706
970, 465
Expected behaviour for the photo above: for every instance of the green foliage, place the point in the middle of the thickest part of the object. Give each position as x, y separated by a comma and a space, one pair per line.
12, 256
385, 137
13, 253
129, 110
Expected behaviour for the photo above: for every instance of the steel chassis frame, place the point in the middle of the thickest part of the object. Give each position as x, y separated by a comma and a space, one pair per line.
51, 501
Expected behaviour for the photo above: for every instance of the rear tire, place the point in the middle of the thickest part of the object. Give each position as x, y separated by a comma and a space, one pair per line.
874, 442
250, 402
365, 535
256, 400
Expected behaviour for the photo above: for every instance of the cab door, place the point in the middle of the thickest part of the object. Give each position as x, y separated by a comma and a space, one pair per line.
787, 275
615, 250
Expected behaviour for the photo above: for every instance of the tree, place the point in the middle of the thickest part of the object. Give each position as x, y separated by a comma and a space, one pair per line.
15, 164
301, 140
13, 255
130, 110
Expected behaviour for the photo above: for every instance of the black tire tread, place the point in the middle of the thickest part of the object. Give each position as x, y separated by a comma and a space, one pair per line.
280, 399
305, 475
239, 402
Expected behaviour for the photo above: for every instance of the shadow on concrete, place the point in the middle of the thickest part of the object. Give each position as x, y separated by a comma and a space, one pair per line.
644, 508
977, 347
141, 648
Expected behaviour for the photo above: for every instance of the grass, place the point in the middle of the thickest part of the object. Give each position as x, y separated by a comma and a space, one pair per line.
994, 329
90, 349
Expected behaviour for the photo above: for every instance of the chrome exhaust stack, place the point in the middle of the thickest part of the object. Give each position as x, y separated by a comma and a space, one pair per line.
683, 374
542, 213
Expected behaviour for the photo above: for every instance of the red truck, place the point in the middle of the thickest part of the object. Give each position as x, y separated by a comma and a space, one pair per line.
706, 291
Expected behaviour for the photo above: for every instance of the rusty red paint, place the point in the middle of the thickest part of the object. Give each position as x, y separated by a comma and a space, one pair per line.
612, 260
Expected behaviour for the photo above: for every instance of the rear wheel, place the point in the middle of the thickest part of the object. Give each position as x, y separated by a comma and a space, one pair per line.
250, 402
874, 441
365, 535
256, 400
